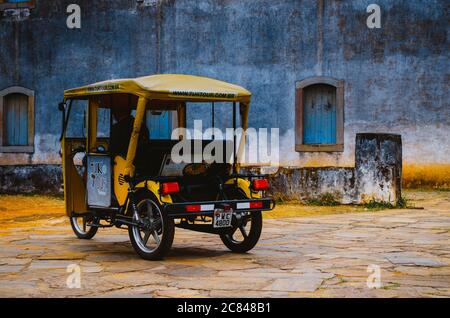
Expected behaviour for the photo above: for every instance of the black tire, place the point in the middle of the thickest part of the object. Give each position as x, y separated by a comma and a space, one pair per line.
83, 231
249, 241
159, 225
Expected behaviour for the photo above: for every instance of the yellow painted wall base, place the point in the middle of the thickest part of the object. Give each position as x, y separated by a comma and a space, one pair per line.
436, 176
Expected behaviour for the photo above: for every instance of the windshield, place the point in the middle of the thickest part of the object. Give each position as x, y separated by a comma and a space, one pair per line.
76, 122
212, 119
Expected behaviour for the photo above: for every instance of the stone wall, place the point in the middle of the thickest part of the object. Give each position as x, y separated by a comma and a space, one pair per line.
376, 176
395, 78
27, 179
301, 184
378, 168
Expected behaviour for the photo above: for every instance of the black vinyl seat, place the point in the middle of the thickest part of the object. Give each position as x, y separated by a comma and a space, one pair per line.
150, 157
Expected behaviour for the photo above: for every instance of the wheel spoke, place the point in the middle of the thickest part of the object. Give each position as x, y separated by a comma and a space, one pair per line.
84, 224
156, 237
245, 219
156, 223
146, 237
233, 230
149, 210
243, 231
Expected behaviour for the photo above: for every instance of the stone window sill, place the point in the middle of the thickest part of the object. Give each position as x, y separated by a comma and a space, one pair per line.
17, 149
318, 148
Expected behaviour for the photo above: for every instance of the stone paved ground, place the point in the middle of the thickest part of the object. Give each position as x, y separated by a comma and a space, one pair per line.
318, 256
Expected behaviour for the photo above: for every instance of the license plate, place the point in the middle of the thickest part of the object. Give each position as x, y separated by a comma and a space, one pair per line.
222, 218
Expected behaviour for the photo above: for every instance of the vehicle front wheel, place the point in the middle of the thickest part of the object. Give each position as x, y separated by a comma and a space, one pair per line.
245, 232
82, 226
153, 238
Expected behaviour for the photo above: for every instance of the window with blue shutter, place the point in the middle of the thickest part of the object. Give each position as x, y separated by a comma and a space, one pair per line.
15, 120
319, 114
159, 124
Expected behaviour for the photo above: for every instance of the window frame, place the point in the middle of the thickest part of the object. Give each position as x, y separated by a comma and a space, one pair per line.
30, 94
300, 87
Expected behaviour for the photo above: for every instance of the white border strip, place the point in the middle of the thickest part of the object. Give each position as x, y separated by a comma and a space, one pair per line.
243, 205
207, 207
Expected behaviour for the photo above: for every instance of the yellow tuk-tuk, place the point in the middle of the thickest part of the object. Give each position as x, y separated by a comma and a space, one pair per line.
153, 196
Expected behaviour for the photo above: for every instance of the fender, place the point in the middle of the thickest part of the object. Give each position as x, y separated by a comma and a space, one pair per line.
245, 185
153, 187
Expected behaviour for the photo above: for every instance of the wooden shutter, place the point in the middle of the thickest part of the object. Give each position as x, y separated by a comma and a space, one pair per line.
15, 120
319, 115
160, 126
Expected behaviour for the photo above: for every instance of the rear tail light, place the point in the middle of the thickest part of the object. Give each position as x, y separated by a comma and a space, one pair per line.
193, 208
170, 187
256, 205
260, 184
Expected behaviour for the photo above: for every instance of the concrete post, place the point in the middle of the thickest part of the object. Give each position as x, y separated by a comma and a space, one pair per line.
378, 165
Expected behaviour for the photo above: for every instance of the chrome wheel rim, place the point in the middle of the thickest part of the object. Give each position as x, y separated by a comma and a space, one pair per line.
148, 236
82, 224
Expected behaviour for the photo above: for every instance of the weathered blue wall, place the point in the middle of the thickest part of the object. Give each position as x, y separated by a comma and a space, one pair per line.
396, 78
116, 39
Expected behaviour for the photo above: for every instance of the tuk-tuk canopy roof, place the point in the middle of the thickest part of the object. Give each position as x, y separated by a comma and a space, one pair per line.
166, 87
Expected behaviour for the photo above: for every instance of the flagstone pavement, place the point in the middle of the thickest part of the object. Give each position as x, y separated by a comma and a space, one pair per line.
389, 253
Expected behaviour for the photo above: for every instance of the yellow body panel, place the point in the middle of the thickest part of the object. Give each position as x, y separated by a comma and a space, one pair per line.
245, 185
74, 189
167, 86
121, 186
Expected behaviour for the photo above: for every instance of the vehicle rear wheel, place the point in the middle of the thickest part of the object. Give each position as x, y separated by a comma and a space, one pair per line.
153, 238
245, 232
82, 226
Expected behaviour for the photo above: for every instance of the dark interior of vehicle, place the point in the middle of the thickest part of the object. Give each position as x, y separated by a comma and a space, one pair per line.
199, 181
